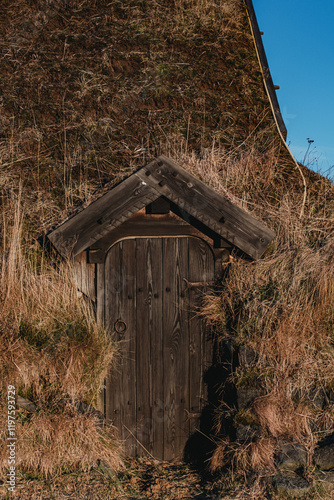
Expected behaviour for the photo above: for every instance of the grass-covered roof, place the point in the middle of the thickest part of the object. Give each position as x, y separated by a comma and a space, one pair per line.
91, 90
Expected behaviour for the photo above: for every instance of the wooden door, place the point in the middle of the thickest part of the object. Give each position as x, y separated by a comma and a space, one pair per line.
156, 387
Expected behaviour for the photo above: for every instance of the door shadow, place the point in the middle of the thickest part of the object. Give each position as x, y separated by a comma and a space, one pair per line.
202, 443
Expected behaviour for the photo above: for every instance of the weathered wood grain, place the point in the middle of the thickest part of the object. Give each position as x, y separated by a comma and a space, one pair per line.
100, 293
176, 345
100, 307
120, 316
201, 268
106, 213
149, 346
140, 228
111, 313
199, 200
156, 338
158, 380
85, 276
162, 178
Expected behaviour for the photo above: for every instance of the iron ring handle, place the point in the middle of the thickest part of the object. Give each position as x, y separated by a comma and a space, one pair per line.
120, 326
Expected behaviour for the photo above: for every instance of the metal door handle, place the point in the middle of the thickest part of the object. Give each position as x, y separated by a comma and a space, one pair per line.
120, 326
196, 284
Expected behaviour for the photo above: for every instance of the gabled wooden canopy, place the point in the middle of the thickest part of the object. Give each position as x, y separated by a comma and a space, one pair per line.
162, 177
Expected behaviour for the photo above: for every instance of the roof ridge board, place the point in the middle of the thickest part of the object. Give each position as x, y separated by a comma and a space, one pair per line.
88, 223
162, 176
241, 228
101, 191
226, 201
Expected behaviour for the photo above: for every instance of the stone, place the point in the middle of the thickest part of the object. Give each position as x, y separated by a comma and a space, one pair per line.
247, 355
317, 397
246, 433
246, 395
106, 470
289, 484
291, 456
324, 457
85, 408
25, 404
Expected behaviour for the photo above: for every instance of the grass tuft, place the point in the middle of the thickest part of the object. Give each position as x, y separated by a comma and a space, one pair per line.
55, 354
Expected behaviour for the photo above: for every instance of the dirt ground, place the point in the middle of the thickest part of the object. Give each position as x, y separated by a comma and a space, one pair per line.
140, 479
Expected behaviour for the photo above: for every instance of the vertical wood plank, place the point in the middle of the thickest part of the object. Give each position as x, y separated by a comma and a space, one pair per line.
157, 368
201, 269
120, 317
143, 347
176, 341
77, 268
111, 313
88, 279
100, 306
100, 293
149, 346
85, 276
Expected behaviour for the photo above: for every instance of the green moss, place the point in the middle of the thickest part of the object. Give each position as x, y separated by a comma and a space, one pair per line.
253, 377
33, 335
269, 291
245, 417
25, 392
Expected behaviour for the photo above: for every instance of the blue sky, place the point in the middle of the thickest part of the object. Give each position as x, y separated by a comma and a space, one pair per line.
299, 43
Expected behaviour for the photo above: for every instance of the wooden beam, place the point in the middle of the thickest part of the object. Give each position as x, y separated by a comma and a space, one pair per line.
146, 226
199, 200
265, 67
195, 202
106, 213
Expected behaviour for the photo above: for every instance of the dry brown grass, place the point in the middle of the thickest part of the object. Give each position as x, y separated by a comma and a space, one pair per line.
280, 307
79, 107
253, 456
180, 78
55, 354
281, 418
51, 443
